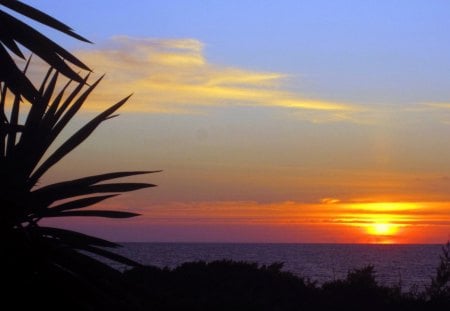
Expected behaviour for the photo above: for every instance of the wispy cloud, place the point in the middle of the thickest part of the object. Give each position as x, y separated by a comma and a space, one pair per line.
437, 110
173, 75
441, 105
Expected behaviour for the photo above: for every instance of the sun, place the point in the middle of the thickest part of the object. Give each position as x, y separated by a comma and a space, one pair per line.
383, 232
381, 222
382, 229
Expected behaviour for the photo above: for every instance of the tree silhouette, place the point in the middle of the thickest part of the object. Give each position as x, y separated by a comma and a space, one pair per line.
43, 260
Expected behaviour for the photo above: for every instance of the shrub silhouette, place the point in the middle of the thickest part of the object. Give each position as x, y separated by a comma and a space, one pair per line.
231, 285
359, 291
440, 284
220, 285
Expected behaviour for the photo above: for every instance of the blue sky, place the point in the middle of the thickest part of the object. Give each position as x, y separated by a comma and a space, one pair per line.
361, 51
247, 103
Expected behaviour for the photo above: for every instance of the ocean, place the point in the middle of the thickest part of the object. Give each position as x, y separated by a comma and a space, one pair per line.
404, 265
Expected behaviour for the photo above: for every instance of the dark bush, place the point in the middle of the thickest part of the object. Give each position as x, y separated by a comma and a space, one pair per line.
231, 285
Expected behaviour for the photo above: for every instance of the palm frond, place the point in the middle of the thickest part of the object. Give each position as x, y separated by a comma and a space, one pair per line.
40, 17
15, 33
88, 181
13, 122
81, 203
83, 242
13, 77
73, 237
92, 213
74, 141
25, 159
44, 201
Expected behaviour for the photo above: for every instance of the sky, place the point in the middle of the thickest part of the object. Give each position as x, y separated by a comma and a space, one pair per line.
273, 121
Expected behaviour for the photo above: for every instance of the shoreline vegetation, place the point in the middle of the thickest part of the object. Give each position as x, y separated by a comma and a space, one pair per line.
239, 285
226, 285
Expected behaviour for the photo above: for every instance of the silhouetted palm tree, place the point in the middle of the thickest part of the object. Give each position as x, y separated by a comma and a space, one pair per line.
37, 259
28, 248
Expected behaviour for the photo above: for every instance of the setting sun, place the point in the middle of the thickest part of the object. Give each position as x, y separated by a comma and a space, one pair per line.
382, 229
380, 222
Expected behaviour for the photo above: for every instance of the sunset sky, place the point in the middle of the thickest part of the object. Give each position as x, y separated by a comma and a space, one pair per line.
273, 121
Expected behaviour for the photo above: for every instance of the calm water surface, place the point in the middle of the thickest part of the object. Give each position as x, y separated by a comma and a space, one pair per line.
394, 264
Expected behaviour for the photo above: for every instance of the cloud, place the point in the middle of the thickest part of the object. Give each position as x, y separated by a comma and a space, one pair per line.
439, 111
438, 106
329, 201
173, 75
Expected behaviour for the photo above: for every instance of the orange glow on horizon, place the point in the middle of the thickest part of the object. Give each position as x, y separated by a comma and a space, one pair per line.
329, 221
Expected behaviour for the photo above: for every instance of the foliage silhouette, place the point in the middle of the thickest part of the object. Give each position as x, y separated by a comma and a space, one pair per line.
50, 264
24, 157
440, 284
14, 32
219, 285
230, 285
